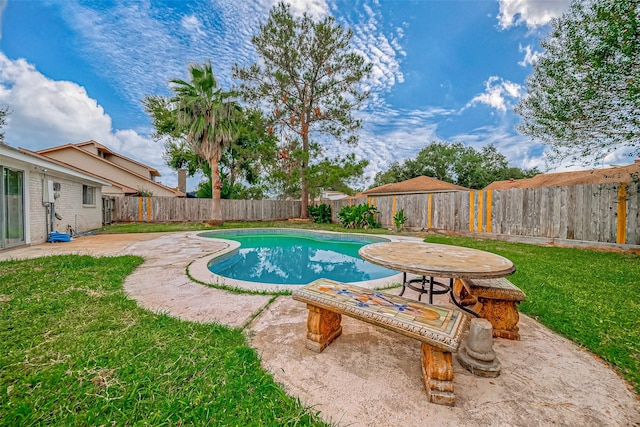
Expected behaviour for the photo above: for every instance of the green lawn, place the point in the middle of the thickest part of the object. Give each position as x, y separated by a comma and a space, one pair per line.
590, 297
75, 350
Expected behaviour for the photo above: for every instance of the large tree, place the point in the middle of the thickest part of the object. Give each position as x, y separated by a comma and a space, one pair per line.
583, 97
455, 163
205, 114
244, 165
309, 77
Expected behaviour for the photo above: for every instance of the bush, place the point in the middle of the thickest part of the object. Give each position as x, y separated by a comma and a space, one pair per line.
320, 214
399, 219
359, 216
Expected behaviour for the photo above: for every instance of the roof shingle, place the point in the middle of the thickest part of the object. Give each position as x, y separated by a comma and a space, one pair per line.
420, 184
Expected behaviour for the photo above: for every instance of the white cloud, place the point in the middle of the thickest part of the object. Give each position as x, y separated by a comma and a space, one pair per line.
45, 113
314, 8
382, 51
518, 149
192, 25
530, 55
532, 13
497, 94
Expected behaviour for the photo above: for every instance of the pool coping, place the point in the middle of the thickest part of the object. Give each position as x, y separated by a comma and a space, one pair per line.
200, 272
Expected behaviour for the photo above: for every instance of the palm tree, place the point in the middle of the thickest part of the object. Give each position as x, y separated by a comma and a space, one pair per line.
209, 115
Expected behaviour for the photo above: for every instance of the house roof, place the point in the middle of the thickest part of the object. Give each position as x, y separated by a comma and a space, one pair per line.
420, 184
590, 176
80, 145
47, 164
126, 189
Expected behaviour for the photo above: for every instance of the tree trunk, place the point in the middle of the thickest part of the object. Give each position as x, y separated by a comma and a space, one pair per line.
216, 186
304, 193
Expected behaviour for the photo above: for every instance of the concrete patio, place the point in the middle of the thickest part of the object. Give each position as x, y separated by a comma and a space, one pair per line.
369, 376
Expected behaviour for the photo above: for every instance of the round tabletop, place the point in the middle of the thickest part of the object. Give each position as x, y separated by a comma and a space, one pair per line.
432, 259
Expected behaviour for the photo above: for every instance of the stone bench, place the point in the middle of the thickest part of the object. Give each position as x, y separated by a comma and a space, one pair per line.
439, 329
493, 299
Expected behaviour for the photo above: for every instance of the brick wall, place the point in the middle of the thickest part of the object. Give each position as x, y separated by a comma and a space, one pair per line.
69, 206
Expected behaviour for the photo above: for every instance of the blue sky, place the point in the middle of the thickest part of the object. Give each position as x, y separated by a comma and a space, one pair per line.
448, 70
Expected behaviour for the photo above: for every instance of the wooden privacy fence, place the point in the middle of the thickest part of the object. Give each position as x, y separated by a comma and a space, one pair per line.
596, 212
170, 209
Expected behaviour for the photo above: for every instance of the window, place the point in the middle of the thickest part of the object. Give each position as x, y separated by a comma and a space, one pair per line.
88, 195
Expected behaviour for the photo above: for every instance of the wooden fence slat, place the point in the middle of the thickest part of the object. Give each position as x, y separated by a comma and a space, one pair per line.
581, 212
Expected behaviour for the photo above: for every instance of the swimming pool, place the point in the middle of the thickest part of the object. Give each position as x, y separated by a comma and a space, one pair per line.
294, 257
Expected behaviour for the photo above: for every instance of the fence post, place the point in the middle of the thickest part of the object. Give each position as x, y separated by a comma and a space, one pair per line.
621, 229
472, 210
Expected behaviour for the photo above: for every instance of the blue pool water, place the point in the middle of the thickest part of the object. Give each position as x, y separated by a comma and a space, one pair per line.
287, 259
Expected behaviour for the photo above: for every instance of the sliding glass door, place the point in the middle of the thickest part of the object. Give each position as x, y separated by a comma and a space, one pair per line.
12, 203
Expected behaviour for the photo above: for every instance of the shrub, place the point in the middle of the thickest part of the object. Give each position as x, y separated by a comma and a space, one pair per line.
320, 214
359, 216
399, 219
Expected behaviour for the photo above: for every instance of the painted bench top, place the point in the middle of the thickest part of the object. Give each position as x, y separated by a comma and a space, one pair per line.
435, 325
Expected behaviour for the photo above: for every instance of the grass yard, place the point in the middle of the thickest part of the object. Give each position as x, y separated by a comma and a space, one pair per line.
590, 297
75, 350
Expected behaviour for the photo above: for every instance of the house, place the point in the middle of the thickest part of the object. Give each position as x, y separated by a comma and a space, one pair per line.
418, 185
38, 196
332, 195
126, 177
591, 176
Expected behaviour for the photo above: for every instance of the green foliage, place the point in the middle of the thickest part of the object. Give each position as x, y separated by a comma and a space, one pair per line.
143, 192
309, 75
583, 97
399, 219
454, 163
320, 214
77, 351
201, 117
359, 216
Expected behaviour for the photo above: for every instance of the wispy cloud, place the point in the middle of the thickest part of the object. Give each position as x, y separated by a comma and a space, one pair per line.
192, 25
382, 50
46, 113
530, 55
532, 13
498, 93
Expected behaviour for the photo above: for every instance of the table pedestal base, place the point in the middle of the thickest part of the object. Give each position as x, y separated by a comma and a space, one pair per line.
437, 372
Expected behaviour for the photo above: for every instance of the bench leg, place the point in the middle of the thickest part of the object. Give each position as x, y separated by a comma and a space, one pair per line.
323, 326
437, 371
503, 316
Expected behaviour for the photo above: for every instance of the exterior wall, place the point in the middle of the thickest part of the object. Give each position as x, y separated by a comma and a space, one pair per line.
134, 167
110, 172
69, 206
112, 190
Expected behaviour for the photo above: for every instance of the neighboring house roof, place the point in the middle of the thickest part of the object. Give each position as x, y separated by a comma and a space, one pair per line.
332, 195
104, 181
420, 184
126, 188
590, 176
48, 165
100, 148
